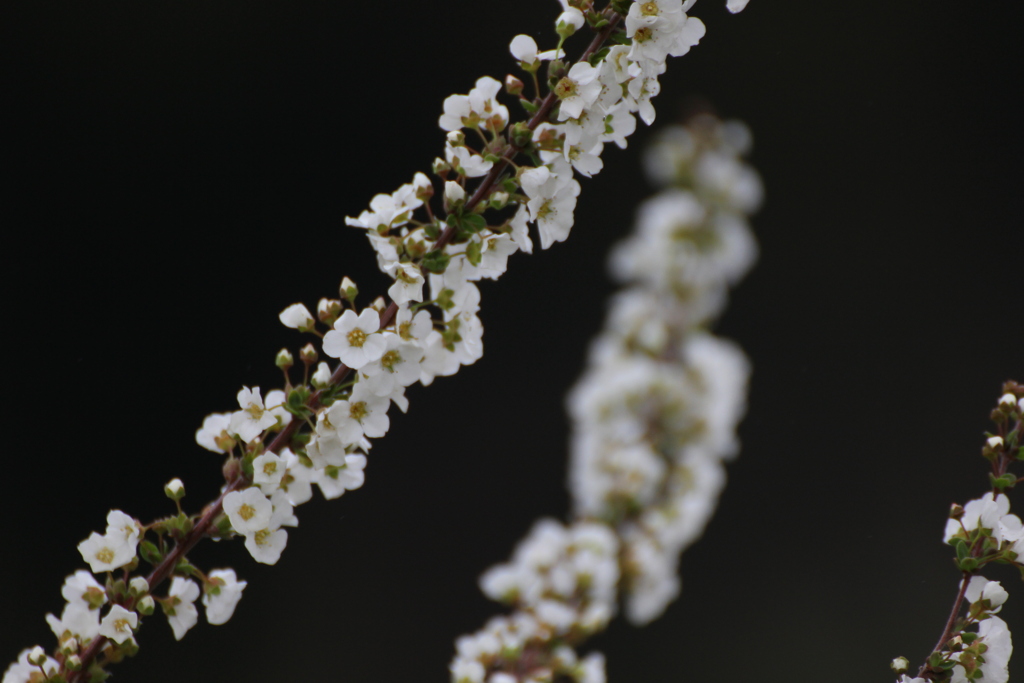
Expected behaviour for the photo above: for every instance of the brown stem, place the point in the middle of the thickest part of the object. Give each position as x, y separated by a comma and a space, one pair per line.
926, 671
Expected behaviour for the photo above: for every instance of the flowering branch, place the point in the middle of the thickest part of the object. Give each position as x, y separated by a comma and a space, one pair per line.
322, 426
982, 532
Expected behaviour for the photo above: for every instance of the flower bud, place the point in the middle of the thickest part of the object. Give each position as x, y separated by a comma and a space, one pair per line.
37, 656
308, 354
513, 86
900, 665
454, 196
328, 310
73, 662
1007, 401
297, 316
440, 167
284, 359
956, 511
322, 376
69, 646
498, 200
138, 586
145, 606
348, 290
379, 304
174, 489
457, 138
568, 22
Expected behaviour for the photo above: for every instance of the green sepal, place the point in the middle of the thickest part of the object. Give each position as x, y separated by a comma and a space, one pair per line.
185, 567
436, 261
296, 403
432, 230
150, 553
968, 637
619, 38
444, 299
510, 185
473, 252
968, 564
599, 56
97, 674
491, 157
960, 547
1007, 481
529, 106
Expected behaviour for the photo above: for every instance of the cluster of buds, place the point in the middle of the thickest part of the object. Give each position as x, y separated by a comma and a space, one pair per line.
654, 416
316, 431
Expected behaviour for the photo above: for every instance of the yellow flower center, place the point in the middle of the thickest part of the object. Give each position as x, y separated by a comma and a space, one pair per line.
565, 88
649, 9
105, 555
390, 359
357, 411
246, 511
356, 337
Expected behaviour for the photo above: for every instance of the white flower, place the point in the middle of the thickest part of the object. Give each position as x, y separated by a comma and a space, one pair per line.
353, 340
106, 553
180, 607
118, 624
735, 6
994, 442
82, 588
275, 406
334, 481
77, 620
577, 90
267, 472
24, 671
981, 588
408, 282
524, 48
465, 162
266, 544
297, 482
248, 510
221, 598
413, 327
215, 427
453, 193
297, 316
552, 200
398, 367
253, 418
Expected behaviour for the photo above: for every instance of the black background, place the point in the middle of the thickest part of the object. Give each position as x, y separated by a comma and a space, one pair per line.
178, 174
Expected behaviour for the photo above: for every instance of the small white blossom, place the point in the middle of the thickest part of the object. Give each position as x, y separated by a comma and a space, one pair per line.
119, 624
215, 426
268, 470
253, 418
353, 339
408, 284
180, 607
524, 48
248, 510
266, 545
220, 599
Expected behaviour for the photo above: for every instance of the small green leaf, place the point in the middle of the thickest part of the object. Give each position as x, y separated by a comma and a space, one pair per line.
436, 261
473, 252
150, 553
474, 222
529, 106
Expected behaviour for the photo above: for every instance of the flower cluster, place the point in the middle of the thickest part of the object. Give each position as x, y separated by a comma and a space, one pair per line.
655, 418
435, 249
982, 532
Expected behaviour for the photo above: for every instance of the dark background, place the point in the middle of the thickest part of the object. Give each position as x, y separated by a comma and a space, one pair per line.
178, 174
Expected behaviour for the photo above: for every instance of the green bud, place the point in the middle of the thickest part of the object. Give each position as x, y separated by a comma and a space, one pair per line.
138, 586
174, 489
308, 354
73, 662
521, 135
513, 86
900, 665
440, 167
284, 359
145, 606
